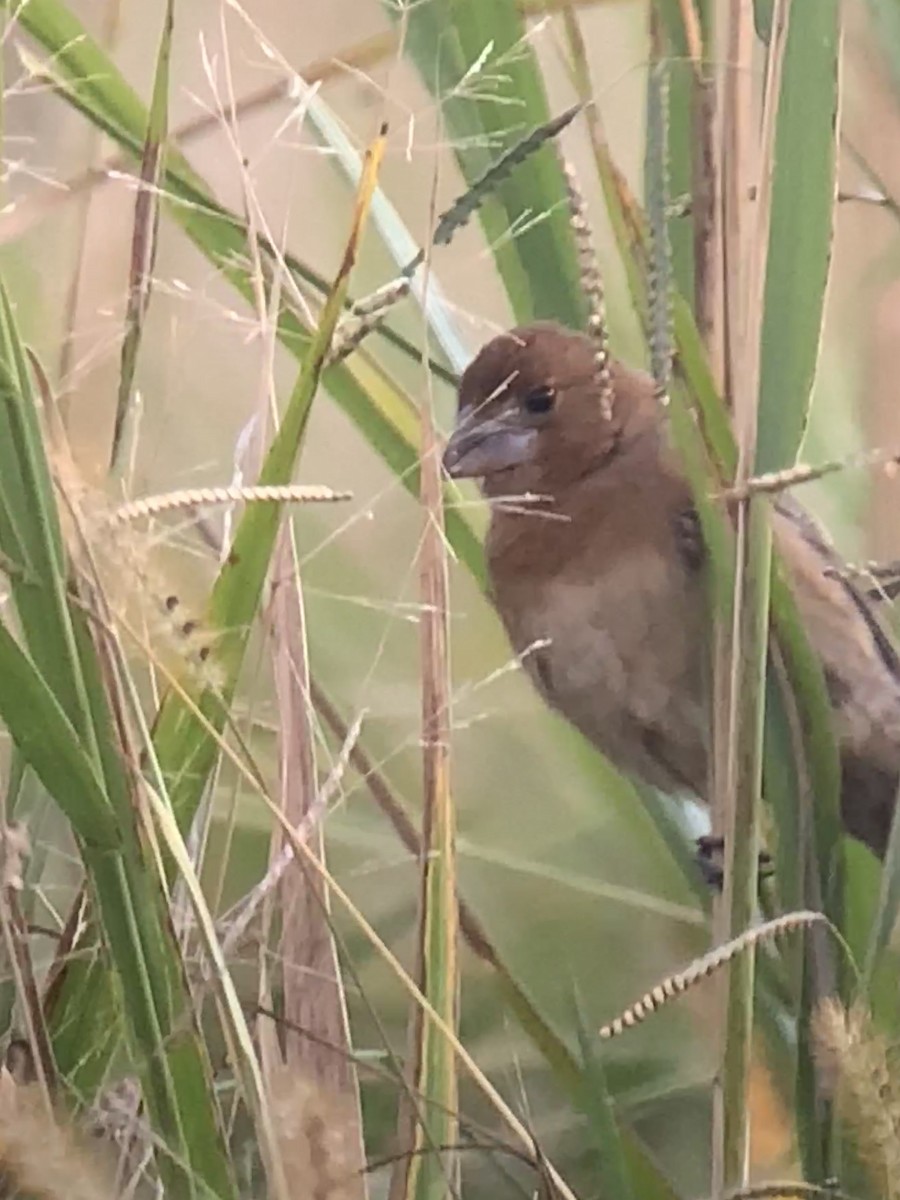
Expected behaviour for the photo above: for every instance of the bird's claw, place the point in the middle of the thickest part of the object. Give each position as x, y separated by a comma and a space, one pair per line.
709, 859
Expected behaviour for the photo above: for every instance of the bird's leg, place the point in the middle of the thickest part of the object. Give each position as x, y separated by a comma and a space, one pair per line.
710, 849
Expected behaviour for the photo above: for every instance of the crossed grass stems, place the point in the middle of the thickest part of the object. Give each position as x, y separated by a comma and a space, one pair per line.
364, 318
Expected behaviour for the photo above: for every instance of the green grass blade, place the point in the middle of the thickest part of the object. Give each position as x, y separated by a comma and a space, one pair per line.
430, 1174
177, 1085
478, 63
687, 86
647, 1179
144, 236
796, 273
888, 910
597, 1105
799, 253
185, 745
90, 81
395, 235
801, 230
48, 743
246, 1065
57, 711
30, 538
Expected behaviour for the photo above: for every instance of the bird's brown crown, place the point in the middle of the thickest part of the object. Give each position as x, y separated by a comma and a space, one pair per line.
532, 415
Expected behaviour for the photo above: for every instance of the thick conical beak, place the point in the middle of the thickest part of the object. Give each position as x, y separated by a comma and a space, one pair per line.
479, 448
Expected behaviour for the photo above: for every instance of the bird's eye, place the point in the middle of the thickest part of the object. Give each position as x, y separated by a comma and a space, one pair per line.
540, 400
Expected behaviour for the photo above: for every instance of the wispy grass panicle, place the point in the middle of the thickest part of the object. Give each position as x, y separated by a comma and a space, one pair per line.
122, 562
42, 1154
316, 1136
122, 559
855, 1056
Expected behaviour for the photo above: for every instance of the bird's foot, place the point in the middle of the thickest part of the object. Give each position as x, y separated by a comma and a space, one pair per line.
709, 859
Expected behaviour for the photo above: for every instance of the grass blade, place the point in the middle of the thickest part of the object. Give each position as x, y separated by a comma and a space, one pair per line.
90, 82
51, 747
144, 236
804, 188
478, 63
431, 1175
597, 1105
63, 678
185, 748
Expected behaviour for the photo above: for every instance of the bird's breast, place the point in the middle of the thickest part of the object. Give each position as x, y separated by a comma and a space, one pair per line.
620, 654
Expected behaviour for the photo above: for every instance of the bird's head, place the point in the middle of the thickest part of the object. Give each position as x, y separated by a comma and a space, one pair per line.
532, 416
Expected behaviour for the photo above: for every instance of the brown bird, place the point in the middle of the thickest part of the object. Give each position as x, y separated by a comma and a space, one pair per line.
595, 559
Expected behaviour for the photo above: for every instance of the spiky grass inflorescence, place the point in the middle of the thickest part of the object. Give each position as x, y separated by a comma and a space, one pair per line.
43, 1154
592, 286
855, 1055
459, 213
659, 281
702, 968
365, 316
773, 482
369, 312
316, 1137
151, 506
